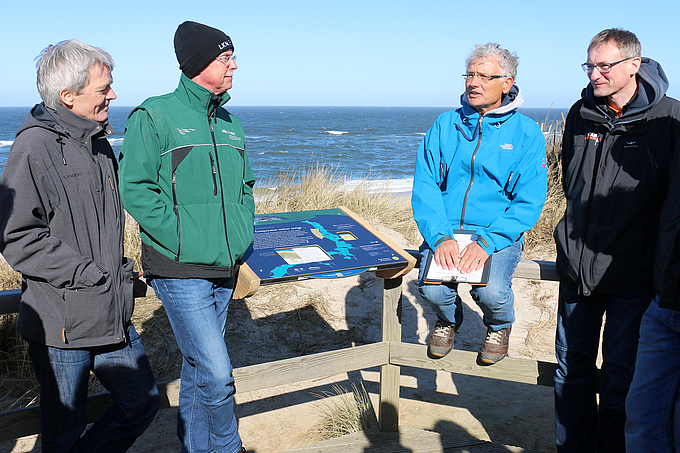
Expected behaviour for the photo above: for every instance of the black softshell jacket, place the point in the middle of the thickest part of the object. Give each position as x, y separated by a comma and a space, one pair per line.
615, 178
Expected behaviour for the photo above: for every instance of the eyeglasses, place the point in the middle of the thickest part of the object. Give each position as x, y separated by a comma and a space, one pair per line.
603, 68
469, 76
226, 59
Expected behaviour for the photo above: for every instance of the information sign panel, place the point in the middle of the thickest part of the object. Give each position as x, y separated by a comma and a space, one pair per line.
323, 243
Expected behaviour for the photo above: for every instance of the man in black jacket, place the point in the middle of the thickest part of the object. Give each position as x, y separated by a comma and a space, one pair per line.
616, 155
62, 228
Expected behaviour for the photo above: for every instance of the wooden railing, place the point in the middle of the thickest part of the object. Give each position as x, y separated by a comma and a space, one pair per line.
390, 354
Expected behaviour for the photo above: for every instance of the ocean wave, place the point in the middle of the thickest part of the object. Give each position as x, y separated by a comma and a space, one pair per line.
4, 143
336, 132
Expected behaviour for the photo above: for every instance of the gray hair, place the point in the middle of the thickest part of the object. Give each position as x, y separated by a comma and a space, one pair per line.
507, 61
66, 66
624, 40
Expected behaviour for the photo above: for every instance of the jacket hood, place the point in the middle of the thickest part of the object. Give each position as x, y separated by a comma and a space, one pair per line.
652, 86
510, 102
64, 122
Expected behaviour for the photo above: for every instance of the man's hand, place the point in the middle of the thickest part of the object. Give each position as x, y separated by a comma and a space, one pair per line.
472, 257
446, 255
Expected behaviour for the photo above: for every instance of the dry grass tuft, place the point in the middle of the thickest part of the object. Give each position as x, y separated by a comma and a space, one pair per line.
539, 241
343, 413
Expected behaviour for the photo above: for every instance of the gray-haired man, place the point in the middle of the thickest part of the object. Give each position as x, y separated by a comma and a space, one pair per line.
479, 168
63, 230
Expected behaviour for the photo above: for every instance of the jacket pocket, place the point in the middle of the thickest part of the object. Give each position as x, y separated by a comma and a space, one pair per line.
90, 312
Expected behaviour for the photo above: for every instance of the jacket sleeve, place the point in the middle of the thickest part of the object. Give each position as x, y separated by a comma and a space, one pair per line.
427, 201
26, 205
527, 196
140, 188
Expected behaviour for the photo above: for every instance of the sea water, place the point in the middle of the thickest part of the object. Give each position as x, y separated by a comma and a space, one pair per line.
379, 143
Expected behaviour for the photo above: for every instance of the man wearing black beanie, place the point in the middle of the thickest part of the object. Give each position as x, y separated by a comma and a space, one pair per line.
186, 179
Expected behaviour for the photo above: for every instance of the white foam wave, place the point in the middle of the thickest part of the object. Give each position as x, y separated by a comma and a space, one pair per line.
114, 141
337, 132
7, 143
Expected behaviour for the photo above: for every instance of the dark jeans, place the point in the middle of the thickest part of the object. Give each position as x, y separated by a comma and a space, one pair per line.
581, 426
653, 404
63, 376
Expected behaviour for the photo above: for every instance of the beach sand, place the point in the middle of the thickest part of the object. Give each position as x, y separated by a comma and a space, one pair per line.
311, 316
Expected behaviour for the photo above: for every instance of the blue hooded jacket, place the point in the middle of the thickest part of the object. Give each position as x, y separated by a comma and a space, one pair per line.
484, 173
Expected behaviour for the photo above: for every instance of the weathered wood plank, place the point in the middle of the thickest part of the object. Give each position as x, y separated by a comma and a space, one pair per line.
247, 282
536, 270
388, 409
406, 439
313, 366
465, 362
24, 422
9, 301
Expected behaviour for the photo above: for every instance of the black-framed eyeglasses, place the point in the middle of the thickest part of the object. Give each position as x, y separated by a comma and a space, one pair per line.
603, 68
469, 76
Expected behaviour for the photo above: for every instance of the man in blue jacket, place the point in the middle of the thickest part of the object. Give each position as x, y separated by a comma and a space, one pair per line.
480, 168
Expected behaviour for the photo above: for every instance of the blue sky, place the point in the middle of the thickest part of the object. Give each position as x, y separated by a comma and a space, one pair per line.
357, 53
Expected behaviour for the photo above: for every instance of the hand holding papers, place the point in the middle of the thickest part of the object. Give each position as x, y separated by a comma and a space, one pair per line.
435, 274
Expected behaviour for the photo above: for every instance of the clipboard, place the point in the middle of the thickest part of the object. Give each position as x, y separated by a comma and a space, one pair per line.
436, 275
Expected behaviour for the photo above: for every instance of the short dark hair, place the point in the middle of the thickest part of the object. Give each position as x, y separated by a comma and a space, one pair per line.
624, 40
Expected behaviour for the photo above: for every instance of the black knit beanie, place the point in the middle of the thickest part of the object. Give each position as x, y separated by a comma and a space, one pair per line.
196, 45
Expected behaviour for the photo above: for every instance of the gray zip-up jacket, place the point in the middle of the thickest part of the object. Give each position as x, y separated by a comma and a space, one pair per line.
62, 226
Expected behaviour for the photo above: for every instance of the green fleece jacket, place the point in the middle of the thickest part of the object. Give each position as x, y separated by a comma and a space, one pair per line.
186, 179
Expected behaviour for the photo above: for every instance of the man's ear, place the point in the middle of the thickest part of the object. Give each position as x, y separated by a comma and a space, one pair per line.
507, 84
66, 98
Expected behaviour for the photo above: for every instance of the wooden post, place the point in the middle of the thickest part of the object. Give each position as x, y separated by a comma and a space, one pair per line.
388, 412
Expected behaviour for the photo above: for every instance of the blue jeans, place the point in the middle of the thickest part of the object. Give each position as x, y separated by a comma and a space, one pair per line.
653, 404
580, 425
63, 376
495, 299
197, 309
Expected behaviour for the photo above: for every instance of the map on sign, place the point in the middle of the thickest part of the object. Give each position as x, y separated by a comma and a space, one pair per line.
324, 243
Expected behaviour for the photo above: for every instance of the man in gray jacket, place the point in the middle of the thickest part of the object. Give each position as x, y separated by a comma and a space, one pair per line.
62, 227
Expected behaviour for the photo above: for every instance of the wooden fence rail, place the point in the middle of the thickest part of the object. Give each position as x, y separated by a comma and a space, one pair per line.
390, 354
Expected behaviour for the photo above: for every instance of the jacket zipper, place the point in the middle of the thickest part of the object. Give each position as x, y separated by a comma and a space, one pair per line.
214, 173
176, 209
224, 213
472, 171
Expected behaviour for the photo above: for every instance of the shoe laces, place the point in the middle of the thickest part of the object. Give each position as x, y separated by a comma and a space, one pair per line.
441, 330
494, 337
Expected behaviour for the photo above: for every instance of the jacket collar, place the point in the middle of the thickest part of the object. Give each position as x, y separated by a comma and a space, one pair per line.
63, 121
652, 86
509, 104
197, 97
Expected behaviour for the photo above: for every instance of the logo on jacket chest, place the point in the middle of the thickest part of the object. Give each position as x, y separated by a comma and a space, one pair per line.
231, 135
185, 131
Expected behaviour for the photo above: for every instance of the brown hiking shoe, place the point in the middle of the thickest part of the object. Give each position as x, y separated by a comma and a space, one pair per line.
441, 340
495, 345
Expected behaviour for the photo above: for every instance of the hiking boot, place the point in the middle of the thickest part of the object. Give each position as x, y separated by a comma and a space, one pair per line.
495, 346
441, 340
242, 450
